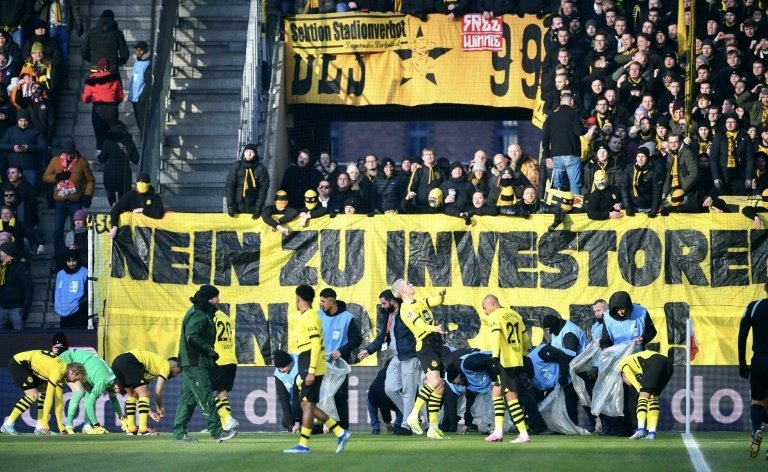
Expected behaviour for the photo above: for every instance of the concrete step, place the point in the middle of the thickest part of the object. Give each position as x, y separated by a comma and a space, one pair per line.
199, 141
238, 33
184, 59
184, 118
215, 8
194, 199
210, 47
204, 128
172, 176
122, 11
201, 153
204, 85
216, 73
218, 22
198, 165
196, 103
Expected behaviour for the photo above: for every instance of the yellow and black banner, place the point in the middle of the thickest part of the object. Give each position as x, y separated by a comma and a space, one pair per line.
707, 267
383, 59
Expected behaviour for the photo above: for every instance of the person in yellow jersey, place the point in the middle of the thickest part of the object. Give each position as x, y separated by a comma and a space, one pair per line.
418, 316
509, 343
134, 371
30, 371
222, 374
649, 372
307, 332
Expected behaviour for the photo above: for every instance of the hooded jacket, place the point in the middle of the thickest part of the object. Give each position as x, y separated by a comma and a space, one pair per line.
32, 137
251, 200
133, 200
117, 152
106, 41
637, 322
463, 193
103, 87
198, 335
11, 49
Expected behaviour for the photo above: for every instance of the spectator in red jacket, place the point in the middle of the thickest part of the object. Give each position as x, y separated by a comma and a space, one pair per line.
105, 91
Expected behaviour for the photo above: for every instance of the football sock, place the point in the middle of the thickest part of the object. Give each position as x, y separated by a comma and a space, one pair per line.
421, 399
498, 414
143, 413
642, 412
130, 412
518, 416
653, 413
305, 434
21, 406
41, 409
433, 408
755, 416
334, 427
222, 407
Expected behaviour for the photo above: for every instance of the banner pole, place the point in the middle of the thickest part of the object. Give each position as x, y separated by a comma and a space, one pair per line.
688, 376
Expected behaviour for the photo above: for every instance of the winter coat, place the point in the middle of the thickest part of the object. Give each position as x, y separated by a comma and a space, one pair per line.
15, 285
198, 334
687, 170
745, 157
103, 87
32, 137
116, 154
70, 16
106, 41
599, 203
252, 200
133, 200
298, 180
81, 176
463, 193
389, 193
648, 188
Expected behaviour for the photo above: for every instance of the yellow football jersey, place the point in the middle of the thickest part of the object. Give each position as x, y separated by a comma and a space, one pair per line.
309, 337
509, 337
154, 364
418, 317
44, 364
225, 339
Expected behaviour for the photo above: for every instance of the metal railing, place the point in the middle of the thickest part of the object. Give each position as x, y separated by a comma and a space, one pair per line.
164, 34
251, 94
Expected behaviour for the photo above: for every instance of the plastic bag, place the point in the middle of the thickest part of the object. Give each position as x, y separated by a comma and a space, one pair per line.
553, 410
608, 394
583, 362
483, 416
336, 372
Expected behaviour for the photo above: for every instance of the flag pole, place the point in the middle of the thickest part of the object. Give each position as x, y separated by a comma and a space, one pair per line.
690, 68
688, 376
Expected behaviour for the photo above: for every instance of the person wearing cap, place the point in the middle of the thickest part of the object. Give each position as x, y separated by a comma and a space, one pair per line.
602, 161
567, 340
457, 191
341, 334
480, 178
104, 90
642, 186
350, 206
732, 158
76, 239
117, 154
138, 87
70, 293
307, 331
39, 29
46, 71
247, 184
41, 375
197, 356
40, 107
61, 22
299, 178
142, 199
22, 145
74, 185
468, 372
418, 317
279, 214
16, 287
389, 192
135, 370
106, 41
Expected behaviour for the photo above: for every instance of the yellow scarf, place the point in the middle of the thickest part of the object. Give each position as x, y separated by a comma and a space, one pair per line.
703, 146
765, 117
3, 268
731, 137
637, 175
673, 172
249, 181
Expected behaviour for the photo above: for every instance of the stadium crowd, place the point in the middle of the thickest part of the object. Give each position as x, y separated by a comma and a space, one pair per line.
37, 162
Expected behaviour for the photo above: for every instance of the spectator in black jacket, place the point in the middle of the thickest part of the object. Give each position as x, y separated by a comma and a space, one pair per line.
389, 191
457, 191
341, 193
642, 186
26, 195
15, 287
732, 159
299, 178
141, 199
61, 28
106, 41
423, 180
560, 141
14, 16
247, 184
117, 153
604, 201
22, 145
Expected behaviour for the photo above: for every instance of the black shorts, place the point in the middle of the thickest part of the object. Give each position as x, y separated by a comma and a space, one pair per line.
508, 378
656, 374
758, 377
129, 372
222, 377
23, 376
431, 354
309, 393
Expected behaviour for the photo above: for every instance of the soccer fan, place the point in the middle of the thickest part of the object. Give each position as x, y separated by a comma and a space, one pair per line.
308, 332
197, 356
509, 343
649, 372
286, 371
30, 370
418, 317
223, 372
100, 379
134, 370
755, 318
141, 199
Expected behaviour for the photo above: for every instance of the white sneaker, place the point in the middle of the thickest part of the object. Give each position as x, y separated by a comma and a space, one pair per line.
86, 428
40, 431
231, 424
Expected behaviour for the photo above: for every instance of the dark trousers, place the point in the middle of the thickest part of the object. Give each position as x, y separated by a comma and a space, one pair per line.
63, 211
102, 117
140, 112
341, 398
78, 319
571, 403
196, 391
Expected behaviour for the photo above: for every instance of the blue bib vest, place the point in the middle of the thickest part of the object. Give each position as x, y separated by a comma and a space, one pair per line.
478, 382
70, 288
545, 374
627, 330
335, 329
570, 327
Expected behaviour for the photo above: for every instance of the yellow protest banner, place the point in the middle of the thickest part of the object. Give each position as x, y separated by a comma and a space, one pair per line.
470, 61
706, 266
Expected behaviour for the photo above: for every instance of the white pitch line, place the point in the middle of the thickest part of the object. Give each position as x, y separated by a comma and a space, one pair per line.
697, 458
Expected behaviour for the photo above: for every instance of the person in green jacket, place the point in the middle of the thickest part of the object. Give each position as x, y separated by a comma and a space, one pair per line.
197, 356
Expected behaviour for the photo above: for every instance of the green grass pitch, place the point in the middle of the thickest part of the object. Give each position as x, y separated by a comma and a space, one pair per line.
263, 452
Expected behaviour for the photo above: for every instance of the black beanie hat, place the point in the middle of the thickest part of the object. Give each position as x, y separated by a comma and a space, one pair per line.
205, 293
252, 147
550, 322
282, 359
60, 339
452, 371
10, 249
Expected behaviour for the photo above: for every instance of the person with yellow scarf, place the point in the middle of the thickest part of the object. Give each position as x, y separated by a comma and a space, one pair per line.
247, 184
641, 191
682, 172
732, 158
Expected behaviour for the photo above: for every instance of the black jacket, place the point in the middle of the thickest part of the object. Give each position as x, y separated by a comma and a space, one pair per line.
106, 41
745, 157
15, 12
422, 181
463, 193
117, 152
16, 286
133, 200
389, 193
354, 337
561, 133
648, 194
600, 203
298, 180
404, 339
253, 200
